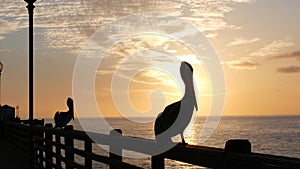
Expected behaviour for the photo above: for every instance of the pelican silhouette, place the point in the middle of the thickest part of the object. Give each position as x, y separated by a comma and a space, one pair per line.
178, 113
61, 119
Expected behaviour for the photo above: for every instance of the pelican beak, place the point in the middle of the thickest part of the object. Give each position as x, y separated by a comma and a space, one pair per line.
192, 91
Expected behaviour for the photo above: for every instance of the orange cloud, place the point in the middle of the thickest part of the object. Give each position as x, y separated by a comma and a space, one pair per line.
242, 64
295, 54
289, 69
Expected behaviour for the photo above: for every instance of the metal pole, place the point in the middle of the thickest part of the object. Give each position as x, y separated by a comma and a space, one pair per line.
30, 8
0, 90
1, 68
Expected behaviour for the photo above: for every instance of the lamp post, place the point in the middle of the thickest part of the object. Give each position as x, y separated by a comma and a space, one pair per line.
1, 68
30, 8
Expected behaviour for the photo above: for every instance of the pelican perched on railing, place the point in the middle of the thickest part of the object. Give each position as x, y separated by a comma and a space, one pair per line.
61, 119
178, 113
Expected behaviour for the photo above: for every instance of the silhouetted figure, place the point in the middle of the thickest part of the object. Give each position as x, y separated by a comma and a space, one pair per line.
180, 111
61, 119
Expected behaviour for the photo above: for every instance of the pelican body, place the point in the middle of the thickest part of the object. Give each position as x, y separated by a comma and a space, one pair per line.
176, 116
61, 119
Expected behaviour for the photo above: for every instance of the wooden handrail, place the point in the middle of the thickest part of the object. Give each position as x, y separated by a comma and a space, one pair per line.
46, 137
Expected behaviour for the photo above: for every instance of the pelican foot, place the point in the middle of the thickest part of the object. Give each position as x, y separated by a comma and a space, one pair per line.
183, 143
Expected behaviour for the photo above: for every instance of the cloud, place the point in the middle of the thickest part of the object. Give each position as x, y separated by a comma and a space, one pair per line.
295, 54
4, 49
273, 48
211, 35
244, 1
289, 69
68, 24
6, 27
242, 64
241, 41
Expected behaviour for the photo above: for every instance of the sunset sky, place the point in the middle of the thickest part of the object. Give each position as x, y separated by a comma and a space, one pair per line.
258, 42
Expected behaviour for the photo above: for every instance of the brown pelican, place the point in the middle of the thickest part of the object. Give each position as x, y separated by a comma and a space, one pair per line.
178, 113
61, 119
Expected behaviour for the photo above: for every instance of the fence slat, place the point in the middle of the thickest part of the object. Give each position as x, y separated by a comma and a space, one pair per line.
88, 151
57, 151
38, 140
48, 146
69, 142
114, 148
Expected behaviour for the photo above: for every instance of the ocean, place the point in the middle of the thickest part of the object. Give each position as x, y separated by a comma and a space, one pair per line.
277, 135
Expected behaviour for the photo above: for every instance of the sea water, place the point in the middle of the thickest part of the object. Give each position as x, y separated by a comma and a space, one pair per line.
277, 135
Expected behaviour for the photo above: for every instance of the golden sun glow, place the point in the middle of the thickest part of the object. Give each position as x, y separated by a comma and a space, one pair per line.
153, 75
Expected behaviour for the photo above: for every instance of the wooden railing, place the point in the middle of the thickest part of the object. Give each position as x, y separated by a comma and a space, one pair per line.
55, 148
18, 135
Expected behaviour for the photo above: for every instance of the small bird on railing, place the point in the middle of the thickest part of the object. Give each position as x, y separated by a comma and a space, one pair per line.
61, 119
178, 113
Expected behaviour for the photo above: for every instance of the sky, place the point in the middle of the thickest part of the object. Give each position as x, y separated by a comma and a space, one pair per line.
257, 41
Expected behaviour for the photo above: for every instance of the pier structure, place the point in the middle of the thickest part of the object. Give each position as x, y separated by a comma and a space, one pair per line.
55, 148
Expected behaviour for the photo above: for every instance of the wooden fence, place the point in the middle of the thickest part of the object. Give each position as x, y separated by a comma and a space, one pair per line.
54, 148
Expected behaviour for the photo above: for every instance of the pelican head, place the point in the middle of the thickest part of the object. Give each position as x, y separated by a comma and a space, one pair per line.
71, 106
186, 72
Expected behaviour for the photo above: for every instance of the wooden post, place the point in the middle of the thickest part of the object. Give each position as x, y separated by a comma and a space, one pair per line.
39, 153
48, 146
157, 162
31, 147
236, 146
1, 129
69, 142
58, 151
115, 147
88, 151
